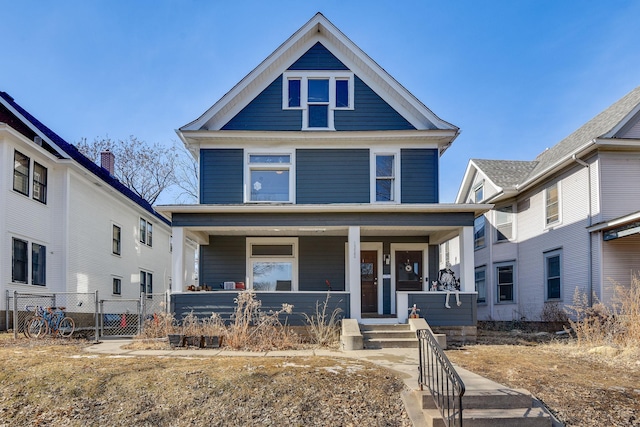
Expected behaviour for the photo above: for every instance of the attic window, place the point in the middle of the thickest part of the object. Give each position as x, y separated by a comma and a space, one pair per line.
318, 94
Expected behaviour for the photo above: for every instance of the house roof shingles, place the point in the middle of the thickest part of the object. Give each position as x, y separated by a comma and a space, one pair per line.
511, 173
84, 161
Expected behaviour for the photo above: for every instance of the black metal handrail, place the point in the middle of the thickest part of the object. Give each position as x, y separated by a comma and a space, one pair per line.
437, 373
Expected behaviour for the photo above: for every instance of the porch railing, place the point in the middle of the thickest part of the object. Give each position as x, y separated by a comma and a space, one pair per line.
437, 373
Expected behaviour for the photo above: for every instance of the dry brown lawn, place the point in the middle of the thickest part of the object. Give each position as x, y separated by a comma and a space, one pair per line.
56, 383
582, 386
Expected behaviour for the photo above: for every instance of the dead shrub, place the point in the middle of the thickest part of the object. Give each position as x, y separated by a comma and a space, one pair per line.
324, 327
617, 325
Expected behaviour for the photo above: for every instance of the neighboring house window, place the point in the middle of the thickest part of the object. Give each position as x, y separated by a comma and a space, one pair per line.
505, 281
38, 264
478, 232
269, 178
146, 232
117, 286
552, 273
117, 240
385, 173
318, 94
272, 264
21, 173
146, 283
504, 224
478, 194
552, 211
19, 261
481, 284
39, 182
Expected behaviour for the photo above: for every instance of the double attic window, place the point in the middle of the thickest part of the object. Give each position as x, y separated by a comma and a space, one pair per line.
318, 94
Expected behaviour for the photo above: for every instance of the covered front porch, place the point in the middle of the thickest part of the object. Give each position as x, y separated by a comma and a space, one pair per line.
374, 262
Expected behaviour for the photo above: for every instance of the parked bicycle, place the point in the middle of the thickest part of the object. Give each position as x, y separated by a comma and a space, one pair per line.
48, 321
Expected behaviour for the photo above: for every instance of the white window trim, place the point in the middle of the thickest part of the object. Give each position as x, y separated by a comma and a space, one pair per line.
547, 255
513, 224
272, 241
486, 235
475, 189
114, 224
248, 167
373, 176
513, 284
544, 204
304, 77
486, 293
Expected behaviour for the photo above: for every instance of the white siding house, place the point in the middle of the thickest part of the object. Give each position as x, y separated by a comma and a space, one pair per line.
567, 220
66, 224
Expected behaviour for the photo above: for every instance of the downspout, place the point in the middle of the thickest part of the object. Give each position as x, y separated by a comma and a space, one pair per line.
589, 221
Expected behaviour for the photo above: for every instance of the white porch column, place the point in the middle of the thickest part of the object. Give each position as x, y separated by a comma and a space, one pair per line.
177, 260
353, 284
467, 262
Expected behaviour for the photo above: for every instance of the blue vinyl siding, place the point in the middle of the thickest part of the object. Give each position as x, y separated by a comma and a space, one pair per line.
419, 175
265, 112
332, 176
370, 113
221, 176
318, 58
202, 304
432, 308
223, 260
321, 259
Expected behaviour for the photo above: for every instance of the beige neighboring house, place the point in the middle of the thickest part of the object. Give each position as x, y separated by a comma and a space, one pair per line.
567, 220
68, 225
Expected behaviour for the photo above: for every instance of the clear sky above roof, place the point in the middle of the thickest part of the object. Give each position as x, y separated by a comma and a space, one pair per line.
515, 76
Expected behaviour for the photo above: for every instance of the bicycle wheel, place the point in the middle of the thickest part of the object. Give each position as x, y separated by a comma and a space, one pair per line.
37, 328
66, 327
25, 326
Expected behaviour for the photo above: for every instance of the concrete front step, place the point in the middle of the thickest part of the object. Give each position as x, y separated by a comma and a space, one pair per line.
503, 398
390, 343
388, 336
520, 417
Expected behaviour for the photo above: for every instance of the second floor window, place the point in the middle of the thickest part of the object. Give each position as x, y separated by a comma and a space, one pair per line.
146, 232
269, 178
385, 178
117, 240
552, 211
39, 182
504, 224
478, 232
21, 173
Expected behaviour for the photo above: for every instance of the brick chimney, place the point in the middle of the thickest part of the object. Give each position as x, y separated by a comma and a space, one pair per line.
108, 161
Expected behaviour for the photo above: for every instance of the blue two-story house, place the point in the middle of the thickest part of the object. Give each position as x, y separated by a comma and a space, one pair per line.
319, 172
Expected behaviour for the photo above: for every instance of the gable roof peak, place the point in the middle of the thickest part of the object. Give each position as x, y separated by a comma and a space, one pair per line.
318, 29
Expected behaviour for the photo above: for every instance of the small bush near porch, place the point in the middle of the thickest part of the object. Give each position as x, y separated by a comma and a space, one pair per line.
250, 327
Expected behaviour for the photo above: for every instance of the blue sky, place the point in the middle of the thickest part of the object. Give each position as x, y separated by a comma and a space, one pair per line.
516, 76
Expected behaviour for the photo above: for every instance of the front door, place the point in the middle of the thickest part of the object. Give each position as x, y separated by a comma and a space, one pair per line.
409, 270
369, 281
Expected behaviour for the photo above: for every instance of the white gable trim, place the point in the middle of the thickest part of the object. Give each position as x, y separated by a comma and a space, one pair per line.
467, 182
318, 29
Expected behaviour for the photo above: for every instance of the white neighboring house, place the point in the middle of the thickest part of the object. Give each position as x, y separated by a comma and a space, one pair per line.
570, 219
66, 224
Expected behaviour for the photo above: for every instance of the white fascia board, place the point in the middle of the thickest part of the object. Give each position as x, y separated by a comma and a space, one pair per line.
319, 29
28, 142
618, 143
614, 222
622, 123
467, 180
475, 208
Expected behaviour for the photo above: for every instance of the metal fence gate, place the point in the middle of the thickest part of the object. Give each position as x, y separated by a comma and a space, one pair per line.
125, 317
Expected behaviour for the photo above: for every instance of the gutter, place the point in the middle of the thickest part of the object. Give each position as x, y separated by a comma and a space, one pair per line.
587, 166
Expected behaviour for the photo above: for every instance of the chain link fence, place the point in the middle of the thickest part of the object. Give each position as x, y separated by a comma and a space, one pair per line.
81, 307
93, 317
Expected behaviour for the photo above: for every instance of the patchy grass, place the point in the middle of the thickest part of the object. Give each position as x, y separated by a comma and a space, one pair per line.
56, 383
583, 386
